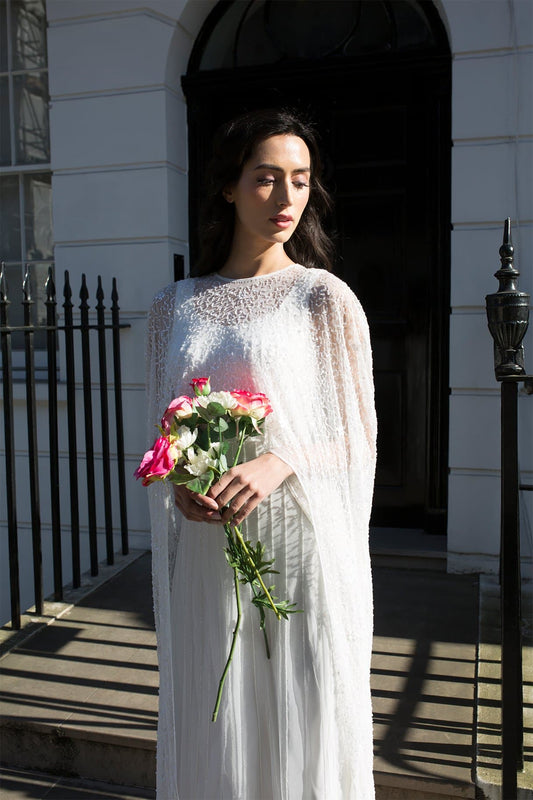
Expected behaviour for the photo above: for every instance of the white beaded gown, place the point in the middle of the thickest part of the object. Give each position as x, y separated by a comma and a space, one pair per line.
297, 726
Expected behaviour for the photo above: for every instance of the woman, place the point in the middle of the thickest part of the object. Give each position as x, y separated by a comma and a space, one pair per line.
265, 316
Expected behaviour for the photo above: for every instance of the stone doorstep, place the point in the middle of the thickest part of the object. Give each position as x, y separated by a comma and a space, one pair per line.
17, 784
406, 787
31, 623
77, 752
488, 723
399, 559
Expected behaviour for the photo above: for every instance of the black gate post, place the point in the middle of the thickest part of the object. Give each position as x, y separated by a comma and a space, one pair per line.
7, 381
508, 314
33, 451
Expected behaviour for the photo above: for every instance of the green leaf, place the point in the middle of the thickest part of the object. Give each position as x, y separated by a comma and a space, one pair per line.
202, 483
179, 478
203, 413
216, 409
221, 425
231, 431
202, 440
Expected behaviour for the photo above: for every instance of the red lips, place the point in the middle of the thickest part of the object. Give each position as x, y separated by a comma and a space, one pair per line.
282, 218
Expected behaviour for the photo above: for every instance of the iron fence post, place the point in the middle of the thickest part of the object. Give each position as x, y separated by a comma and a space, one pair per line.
33, 457
88, 414
508, 315
7, 381
53, 432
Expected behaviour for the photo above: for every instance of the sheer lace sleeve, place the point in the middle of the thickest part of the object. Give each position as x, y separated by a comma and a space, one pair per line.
343, 349
159, 329
162, 514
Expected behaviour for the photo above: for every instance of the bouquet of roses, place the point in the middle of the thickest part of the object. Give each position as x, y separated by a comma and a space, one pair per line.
196, 438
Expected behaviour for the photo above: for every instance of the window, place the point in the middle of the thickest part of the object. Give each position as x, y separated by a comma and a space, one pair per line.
255, 32
25, 177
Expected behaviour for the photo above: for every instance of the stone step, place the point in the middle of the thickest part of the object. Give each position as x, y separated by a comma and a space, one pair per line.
16, 784
79, 698
406, 548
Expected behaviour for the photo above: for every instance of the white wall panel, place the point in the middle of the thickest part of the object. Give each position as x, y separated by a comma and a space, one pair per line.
60, 10
485, 96
475, 432
176, 132
474, 513
471, 352
113, 204
486, 24
475, 259
104, 54
141, 268
109, 129
483, 180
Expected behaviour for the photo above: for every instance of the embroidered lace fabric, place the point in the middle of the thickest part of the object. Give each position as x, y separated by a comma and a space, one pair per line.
297, 726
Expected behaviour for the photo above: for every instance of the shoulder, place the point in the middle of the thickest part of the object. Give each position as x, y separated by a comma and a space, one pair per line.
328, 292
164, 300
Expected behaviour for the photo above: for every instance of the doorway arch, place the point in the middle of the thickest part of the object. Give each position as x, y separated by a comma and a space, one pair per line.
375, 75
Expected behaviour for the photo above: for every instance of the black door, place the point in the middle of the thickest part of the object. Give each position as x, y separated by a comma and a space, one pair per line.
384, 122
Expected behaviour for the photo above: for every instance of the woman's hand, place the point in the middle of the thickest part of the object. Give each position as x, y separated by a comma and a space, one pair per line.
246, 485
196, 507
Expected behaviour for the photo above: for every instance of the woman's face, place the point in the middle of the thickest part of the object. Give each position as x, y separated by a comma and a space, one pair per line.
272, 191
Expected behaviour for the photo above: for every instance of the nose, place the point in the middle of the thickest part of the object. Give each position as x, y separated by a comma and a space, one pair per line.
285, 194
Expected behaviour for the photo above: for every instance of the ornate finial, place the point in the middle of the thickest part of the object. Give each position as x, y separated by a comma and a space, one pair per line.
114, 291
84, 292
50, 287
26, 286
508, 313
67, 291
3, 284
100, 295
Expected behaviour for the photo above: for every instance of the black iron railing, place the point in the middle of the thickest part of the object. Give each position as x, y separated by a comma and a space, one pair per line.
104, 326
508, 316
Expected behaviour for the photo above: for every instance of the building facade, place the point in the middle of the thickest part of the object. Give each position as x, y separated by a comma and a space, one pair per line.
120, 197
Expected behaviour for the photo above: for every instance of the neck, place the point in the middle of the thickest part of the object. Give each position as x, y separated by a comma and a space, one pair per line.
247, 261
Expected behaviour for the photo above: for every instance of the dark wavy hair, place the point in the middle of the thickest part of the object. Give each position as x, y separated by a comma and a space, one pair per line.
233, 145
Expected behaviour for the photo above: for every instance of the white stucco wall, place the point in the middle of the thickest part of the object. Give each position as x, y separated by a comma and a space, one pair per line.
119, 161
492, 178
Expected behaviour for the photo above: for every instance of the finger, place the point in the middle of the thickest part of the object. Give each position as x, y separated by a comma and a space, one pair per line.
235, 505
245, 510
188, 504
199, 499
220, 486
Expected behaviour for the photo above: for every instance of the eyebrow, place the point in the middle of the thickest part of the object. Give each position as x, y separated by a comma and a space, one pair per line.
279, 169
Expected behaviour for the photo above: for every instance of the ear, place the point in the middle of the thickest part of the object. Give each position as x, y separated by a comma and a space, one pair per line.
228, 195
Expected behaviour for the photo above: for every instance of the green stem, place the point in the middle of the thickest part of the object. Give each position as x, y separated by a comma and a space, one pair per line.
266, 642
257, 574
233, 643
239, 448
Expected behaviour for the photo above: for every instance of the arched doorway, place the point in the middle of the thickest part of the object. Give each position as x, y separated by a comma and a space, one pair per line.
376, 77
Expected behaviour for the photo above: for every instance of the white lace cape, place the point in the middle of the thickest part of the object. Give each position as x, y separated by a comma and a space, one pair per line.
311, 346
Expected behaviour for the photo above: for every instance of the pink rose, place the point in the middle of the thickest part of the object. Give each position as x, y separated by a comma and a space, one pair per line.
249, 404
181, 407
200, 386
157, 462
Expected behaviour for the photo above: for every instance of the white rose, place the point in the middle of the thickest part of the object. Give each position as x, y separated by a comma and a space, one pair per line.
223, 398
184, 437
199, 462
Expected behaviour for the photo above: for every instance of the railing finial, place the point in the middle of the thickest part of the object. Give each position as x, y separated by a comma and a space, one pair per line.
508, 313
26, 286
3, 284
